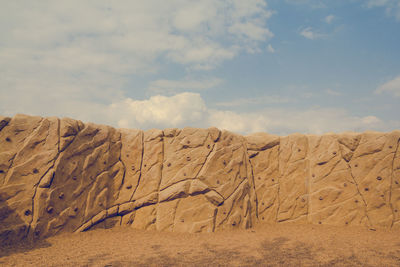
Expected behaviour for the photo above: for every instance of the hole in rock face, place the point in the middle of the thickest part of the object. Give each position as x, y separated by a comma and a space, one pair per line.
74, 178
356, 201
320, 198
263, 218
104, 162
396, 182
299, 150
234, 223
133, 168
188, 142
345, 185
35, 170
208, 146
334, 153
319, 222
169, 164
76, 209
1, 171
145, 165
313, 175
50, 209
378, 178
303, 200
182, 220
395, 210
129, 186
184, 174
217, 181
188, 158
356, 165
273, 180
259, 178
8, 139
390, 147
224, 162
366, 189
27, 212
346, 222
61, 196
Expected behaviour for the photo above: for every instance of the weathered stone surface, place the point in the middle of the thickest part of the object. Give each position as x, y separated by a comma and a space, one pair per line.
61, 175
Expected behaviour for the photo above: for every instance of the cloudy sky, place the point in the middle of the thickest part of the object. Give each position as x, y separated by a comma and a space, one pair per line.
279, 66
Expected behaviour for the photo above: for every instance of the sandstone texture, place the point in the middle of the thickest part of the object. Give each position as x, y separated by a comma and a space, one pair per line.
62, 175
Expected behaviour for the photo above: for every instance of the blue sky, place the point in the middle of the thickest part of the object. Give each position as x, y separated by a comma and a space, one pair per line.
275, 66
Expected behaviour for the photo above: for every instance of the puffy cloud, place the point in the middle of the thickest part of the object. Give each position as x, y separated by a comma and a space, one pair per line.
329, 19
391, 87
270, 49
60, 58
160, 111
310, 34
189, 109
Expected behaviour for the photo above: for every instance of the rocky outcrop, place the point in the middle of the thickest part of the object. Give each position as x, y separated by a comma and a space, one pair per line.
61, 175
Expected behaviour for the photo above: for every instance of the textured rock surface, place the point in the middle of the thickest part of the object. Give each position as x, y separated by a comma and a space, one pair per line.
61, 175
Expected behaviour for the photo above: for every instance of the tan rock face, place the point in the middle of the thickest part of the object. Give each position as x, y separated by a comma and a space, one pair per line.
61, 175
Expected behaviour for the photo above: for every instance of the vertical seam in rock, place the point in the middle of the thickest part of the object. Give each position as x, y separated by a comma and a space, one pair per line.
214, 219
362, 197
391, 182
205, 161
162, 167
254, 186
176, 208
140, 170
123, 164
279, 181
308, 179
51, 167
9, 167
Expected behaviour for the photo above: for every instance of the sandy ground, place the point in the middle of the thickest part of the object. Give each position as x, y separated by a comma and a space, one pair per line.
277, 245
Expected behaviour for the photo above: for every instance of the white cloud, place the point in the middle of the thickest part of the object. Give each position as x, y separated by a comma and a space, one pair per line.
391, 87
329, 19
392, 7
332, 92
189, 109
310, 34
187, 84
159, 111
270, 49
59, 55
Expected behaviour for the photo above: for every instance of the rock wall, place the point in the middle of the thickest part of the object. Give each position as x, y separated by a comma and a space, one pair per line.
61, 175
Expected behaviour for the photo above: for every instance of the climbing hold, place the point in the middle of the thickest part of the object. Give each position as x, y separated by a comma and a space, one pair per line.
49, 209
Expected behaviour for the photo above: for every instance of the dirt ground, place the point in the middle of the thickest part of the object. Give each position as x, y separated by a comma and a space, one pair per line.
265, 245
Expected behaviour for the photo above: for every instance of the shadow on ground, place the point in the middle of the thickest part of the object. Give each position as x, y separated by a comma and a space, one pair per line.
276, 252
13, 232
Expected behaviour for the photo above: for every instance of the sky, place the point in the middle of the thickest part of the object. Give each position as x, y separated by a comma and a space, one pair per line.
276, 66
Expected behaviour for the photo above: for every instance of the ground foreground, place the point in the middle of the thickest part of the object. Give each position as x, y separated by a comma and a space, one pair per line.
275, 245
